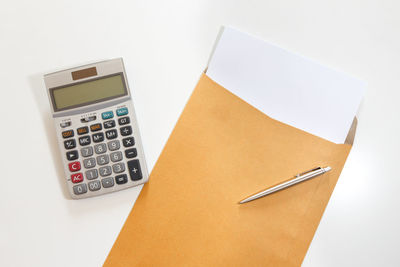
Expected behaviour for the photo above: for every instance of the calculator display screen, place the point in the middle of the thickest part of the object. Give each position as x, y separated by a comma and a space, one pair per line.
88, 92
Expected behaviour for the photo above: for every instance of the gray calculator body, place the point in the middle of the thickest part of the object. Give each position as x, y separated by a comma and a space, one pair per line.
96, 128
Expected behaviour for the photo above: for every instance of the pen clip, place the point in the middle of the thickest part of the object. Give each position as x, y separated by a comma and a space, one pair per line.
300, 174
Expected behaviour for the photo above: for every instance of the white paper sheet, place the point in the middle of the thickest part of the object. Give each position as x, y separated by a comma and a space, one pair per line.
286, 86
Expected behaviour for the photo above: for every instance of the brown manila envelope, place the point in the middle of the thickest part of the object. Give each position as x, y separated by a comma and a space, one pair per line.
221, 150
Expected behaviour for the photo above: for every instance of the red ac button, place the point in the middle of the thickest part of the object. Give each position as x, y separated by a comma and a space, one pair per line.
77, 177
74, 166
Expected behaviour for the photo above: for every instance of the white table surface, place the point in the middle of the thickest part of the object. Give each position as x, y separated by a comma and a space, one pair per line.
166, 46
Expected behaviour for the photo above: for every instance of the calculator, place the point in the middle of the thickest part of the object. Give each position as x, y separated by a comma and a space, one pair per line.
96, 128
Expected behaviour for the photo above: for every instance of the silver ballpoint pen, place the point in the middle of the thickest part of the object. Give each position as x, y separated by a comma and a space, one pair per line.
301, 177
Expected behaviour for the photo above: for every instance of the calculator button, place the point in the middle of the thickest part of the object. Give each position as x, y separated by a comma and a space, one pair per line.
65, 124
107, 182
88, 119
91, 174
89, 163
118, 168
121, 179
72, 155
107, 115
80, 189
84, 140
69, 144
109, 124
124, 120
134, 170
103, 159
77, 178
111, 134
82, 130
131, 153
87, 151
127, 142
100, 148
98, 137
122, 111
96, 127
94, 185
127, 130
74, 166
113, 145
116, 156
68, 134
105, 171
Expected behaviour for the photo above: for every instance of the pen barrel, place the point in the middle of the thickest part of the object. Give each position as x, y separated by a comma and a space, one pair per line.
296, 180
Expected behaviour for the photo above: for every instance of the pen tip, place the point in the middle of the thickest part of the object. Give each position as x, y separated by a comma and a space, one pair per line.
327, 169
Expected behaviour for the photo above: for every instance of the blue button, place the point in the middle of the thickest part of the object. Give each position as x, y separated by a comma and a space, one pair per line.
107, 115
122, 111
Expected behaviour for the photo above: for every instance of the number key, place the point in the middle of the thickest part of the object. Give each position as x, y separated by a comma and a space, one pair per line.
105, 171
100, 148
80, 189
113, 145
89, 163
91, 174
94, 185
87, 151
103, 159
119, 167
116, 156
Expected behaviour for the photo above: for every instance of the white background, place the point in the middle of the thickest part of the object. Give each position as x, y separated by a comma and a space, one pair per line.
166, 46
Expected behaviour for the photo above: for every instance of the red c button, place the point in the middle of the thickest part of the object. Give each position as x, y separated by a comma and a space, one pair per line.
74, 166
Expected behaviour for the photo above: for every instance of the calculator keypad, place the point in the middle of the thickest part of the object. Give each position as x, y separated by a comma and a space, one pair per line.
107, 148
